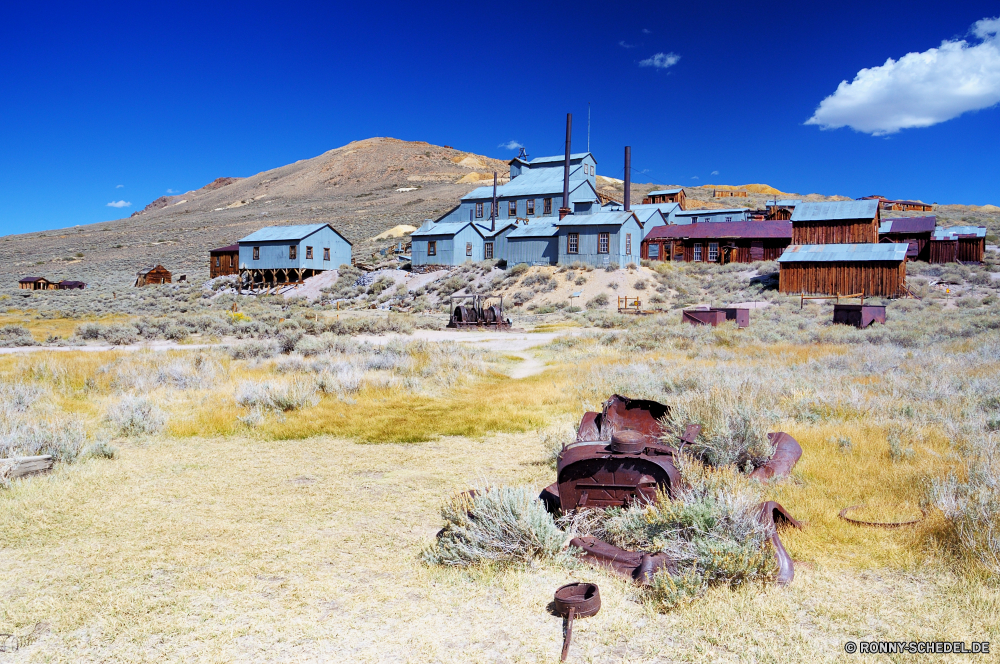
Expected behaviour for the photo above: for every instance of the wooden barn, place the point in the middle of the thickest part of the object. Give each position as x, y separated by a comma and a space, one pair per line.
71, 285
733, 242
781, 210
961, 244
874, 269
915, 231
224, 261
35, 283
152, 275
729, 193
900, 206
666, 196
837, 222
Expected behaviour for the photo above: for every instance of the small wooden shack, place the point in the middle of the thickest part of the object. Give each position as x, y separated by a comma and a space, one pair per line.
35, 283
874, 269
780, 210
224, 261
837, 222
729, 193
899, 206
666, 196
152, 275
915, 231
71, 285
962, 244
722, 242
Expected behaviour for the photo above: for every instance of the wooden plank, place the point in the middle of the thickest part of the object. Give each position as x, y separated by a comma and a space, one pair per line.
25, 466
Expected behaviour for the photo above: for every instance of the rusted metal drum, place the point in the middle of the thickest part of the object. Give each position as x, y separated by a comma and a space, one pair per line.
491, 314
465, 315
583, 598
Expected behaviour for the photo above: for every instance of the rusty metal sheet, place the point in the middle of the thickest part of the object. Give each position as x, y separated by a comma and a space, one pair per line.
772, 514
787, 453
621, 413
703, 316
858, 315
639, 566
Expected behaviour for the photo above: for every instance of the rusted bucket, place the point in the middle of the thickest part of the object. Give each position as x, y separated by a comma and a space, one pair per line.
576, 600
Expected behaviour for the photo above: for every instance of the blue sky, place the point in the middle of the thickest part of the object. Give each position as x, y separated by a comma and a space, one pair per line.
125, 102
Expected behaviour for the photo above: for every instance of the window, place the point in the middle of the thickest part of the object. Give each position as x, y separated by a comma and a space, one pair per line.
256, 253
293, 252
729, 218
326, 253
432, 248
232, 260
488, 250
494, 210
511, 208
479, 210
309, 253
531, 207
713, 252
603, 242
218, 261
468, 248
573, 243
654, 252
697, 252
628, 244
546, 206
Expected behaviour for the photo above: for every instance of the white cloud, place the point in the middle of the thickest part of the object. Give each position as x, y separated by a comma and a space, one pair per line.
511, 145
695, 177
919, 89
661, 60
625, 44
119, 204
646, 31
119, 186
172, 191
715, 172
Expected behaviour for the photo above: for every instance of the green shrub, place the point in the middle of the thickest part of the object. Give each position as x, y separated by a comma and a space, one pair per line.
598, 301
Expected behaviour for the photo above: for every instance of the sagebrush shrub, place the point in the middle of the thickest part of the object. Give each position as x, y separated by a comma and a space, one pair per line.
135, 416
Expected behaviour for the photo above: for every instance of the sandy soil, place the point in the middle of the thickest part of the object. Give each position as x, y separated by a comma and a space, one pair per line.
313, 285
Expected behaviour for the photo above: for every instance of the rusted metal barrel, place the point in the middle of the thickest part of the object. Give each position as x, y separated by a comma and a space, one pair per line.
576, 600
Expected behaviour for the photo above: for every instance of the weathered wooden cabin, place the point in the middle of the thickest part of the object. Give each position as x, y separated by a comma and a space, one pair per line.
780, 210
291, 254
915, 231
729, 193
666, 196
152, 275
71, 285
34, 283
837, 222
224, 261
874, 269
735, 242
899, 206
962, 244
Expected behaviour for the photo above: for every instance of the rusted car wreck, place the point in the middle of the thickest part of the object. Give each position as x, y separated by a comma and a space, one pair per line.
619, 458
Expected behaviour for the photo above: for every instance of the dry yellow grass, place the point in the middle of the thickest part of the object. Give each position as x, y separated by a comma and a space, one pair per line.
42, 328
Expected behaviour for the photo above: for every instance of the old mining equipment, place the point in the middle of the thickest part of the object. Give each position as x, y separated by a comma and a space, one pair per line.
477, 311
620, 458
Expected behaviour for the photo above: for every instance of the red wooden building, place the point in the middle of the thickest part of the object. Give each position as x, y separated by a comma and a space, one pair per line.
899, 206
963, 244
718, 242
224, 261
666, 196
874, 269
915, 231
837, 222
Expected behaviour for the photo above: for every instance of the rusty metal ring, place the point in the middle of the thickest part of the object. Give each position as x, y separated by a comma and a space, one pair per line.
879, 524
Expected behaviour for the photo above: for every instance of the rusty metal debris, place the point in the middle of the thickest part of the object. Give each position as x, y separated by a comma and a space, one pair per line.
880, 524
714, 317
858, 315
572, 601
478, 311
619, 459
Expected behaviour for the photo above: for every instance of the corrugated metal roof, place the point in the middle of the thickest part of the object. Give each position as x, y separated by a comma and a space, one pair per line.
835, 210
31, 280
534, 229
230, 248
664, 192
908, 225
665, 208
484, 228
784, 202
599, 219
955, 231
724, 229
560, 158
540, 182
830, 253
645, 213
705, 213
276, 233
440, 229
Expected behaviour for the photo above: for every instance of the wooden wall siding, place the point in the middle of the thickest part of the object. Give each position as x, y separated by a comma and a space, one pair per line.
781, 214
873, 278
922, 240
967, 250
155, 276
839, 231
229, 263
745, 251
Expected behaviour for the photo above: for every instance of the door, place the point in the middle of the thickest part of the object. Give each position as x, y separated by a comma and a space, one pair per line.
756, 250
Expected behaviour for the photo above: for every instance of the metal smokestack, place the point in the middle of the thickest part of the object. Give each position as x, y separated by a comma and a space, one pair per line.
628, 178
493, 209
564, 210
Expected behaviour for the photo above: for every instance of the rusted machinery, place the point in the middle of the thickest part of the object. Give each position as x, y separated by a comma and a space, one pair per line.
858, 315
715, 316
619, 458
572, 601
477, 311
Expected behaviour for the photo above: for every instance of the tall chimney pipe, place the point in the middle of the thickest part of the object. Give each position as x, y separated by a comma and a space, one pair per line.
628, 178
493, 209
564, 210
